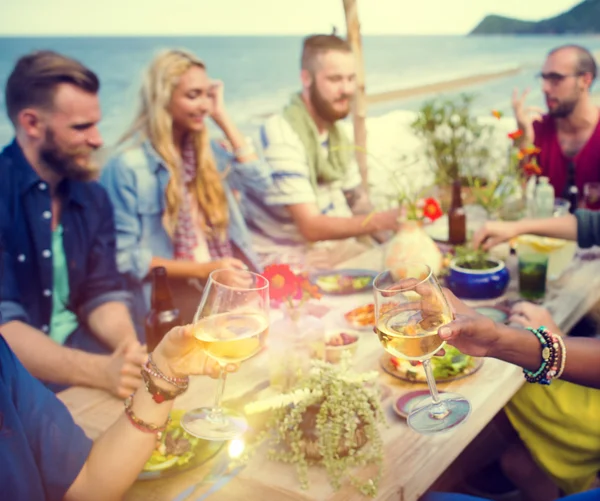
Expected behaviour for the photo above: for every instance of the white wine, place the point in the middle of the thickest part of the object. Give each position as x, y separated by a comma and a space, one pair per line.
232, 337
411, 334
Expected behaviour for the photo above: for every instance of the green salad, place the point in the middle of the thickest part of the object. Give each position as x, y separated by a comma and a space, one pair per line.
342, 283
451, 364
176, 447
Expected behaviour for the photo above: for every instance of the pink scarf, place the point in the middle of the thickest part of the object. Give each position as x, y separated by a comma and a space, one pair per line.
185, 239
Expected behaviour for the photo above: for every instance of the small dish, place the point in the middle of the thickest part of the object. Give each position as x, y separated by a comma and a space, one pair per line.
337, 343
343, 282
496, 314
362, 317
404, 404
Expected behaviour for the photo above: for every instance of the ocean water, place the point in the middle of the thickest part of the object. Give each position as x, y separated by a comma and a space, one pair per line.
261, 72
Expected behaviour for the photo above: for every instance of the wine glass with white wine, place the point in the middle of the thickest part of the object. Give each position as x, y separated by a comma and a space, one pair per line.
232, 322
410, 307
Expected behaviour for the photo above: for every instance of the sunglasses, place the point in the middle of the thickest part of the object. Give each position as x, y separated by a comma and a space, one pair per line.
555, 78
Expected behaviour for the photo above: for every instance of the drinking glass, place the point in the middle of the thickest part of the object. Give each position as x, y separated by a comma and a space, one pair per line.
410, 307
231, 323
591, 196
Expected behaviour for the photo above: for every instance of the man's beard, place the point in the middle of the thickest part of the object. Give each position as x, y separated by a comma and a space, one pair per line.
64, 162
564, 108
323, 108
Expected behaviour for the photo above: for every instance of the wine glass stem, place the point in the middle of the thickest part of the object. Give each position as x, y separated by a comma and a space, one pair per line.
438, 409
217, 411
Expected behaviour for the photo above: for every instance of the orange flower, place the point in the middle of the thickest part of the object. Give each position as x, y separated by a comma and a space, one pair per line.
532, 169
531, 150
517, 134
283, 283
311, 290
497, 114
432, 209
520, 154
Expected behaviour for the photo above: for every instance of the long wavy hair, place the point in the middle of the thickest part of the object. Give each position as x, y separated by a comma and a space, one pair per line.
154, 123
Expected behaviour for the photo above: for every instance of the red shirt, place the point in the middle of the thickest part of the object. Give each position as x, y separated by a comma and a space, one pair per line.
555, 164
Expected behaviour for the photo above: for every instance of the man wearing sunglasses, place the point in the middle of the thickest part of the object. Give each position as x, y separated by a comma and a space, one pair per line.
569, 134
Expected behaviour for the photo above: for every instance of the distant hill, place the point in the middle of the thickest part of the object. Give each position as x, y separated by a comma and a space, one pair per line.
583, 18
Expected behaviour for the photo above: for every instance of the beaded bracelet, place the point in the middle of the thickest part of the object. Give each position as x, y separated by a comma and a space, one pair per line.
151, 368
159, 395
142, 425
550, 356
563, 357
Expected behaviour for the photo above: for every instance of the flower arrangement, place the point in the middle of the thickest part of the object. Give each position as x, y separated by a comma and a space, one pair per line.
455, 141
289, 288
329, 418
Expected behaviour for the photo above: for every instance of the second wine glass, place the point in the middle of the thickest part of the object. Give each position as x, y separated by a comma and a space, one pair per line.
410, 307
232, 322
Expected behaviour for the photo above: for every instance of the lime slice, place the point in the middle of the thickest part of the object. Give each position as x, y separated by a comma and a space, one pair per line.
162, 465
542, 244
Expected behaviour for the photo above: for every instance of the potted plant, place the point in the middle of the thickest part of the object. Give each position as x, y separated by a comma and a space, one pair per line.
474, 274
455, 141
330, 418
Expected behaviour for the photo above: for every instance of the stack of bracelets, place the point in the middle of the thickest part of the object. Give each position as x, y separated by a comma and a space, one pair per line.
554, 356
159, 395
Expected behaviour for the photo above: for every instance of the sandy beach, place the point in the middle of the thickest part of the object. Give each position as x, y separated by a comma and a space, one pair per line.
435, 88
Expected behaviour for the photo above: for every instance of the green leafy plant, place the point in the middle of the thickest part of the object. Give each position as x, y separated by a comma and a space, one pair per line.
455, 141
473, 259
330, 418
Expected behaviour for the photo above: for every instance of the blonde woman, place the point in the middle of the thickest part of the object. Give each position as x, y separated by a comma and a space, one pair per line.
173, 189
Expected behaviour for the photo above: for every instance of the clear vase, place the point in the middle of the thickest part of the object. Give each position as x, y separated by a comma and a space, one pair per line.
514, 201
295, 340
412, 243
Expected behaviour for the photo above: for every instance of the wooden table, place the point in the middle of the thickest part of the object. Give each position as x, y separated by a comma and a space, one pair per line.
413, 462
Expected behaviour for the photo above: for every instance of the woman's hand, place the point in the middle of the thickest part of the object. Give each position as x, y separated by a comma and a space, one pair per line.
180, 353
534, 316
216, 93
472, 335
493, 233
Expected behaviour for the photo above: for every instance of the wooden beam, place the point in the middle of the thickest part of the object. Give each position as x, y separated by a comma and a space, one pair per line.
360, 100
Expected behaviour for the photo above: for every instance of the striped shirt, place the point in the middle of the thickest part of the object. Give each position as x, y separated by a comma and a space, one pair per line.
266, 212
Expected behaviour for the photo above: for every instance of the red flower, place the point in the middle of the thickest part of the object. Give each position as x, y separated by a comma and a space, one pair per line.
517, 134
497, 114
432, 209
283, 283
532, 168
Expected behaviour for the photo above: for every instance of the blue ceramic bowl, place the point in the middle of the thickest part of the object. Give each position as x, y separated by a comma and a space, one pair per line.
478, 284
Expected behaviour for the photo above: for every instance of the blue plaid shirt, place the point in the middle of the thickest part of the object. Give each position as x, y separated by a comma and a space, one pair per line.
26, 240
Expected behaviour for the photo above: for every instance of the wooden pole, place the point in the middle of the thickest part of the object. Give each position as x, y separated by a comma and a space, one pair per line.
360, 100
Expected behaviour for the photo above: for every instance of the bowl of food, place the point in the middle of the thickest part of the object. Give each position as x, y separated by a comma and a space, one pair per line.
339, 342
177, 451
362, 317
343, 282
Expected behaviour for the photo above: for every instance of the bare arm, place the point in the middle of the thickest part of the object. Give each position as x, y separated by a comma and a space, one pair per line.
522, 348
315, 226
111, 323
191, 269
49, 361
120, 453
495, 232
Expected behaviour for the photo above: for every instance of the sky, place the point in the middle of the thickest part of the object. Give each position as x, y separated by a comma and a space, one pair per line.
258, 17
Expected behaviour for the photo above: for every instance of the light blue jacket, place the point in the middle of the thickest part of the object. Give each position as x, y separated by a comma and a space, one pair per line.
136, 181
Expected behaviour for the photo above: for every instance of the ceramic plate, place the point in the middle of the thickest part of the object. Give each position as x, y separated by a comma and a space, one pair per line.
419, 376
496, 314
343, 282
403, 405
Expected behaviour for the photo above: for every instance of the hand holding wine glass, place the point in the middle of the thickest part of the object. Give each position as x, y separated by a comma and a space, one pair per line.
410, 308
231, 325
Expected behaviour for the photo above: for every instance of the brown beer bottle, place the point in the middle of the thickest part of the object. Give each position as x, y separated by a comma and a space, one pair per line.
457, 219
163, 315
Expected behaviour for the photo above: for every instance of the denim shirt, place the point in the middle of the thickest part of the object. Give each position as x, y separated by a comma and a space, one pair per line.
136, 181
26, 241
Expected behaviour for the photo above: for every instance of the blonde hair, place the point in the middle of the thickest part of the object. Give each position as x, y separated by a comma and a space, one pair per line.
154, 123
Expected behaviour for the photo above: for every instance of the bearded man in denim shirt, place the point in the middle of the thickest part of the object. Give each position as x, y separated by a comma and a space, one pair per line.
63, 305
